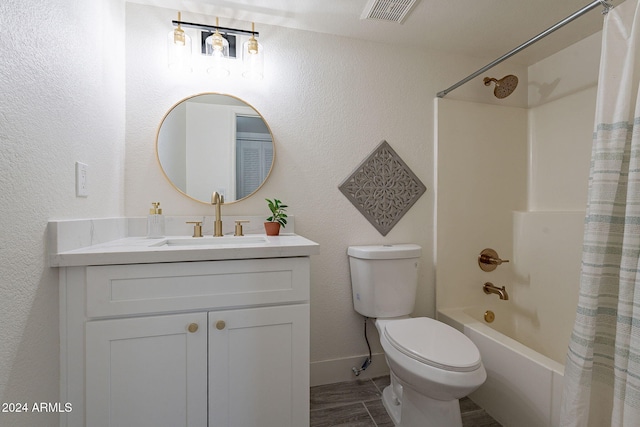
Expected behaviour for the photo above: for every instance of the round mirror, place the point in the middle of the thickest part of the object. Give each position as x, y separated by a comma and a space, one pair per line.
214, 142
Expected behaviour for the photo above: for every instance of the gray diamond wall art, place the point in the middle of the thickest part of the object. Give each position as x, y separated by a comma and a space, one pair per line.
383, 188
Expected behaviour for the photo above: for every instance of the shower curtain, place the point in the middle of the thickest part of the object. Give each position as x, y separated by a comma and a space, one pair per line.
602, 372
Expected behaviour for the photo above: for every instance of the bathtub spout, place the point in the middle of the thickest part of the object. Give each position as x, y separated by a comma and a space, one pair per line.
489, 288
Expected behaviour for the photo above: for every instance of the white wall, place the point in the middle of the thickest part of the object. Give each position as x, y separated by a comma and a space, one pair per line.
62, 79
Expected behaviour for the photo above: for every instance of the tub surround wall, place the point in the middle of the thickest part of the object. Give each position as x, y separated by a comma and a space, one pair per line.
542, 234
560, 139
475, 206
548, 238
546, 262
557, 126
481, 180
569, 71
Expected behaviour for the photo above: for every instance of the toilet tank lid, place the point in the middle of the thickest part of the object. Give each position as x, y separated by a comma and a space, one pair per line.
407, 250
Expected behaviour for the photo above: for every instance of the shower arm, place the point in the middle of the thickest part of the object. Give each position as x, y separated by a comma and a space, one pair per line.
607, 6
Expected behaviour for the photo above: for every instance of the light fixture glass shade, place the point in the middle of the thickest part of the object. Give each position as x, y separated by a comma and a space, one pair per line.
252, 59
179, 50
217, 48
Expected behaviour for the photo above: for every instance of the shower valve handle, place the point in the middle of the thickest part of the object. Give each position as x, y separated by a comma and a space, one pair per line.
488, 260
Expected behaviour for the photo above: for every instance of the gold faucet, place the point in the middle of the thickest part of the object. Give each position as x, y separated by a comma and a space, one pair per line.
217, 200
489, 288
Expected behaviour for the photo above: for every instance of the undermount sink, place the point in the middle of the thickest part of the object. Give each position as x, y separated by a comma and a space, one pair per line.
211, 241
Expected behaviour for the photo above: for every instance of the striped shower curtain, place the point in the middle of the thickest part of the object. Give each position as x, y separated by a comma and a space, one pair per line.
602, 372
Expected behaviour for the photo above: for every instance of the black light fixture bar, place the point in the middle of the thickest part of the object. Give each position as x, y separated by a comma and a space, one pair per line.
212, 28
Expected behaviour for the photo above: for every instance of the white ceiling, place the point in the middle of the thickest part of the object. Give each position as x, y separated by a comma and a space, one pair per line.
481, 28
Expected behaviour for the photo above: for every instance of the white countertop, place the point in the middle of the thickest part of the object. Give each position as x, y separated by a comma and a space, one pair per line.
105, 241
141, 250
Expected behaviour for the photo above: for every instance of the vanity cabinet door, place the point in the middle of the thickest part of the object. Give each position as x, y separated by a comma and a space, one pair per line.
259, 367
147, 371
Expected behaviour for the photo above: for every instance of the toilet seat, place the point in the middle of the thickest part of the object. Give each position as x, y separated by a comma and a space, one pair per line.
433, 343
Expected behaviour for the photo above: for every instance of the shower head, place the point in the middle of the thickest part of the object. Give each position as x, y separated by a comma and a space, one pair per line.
504, 87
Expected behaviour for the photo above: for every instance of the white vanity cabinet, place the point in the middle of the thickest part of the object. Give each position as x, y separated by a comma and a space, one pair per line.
257, 358
210, 343
147, 371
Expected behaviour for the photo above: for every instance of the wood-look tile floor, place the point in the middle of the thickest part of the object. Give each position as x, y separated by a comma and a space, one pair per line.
358, 404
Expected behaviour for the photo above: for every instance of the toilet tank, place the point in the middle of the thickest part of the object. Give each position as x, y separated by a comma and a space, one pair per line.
384, 279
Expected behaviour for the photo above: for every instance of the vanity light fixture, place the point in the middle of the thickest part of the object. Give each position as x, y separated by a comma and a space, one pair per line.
252, 57
216, 46
179, 49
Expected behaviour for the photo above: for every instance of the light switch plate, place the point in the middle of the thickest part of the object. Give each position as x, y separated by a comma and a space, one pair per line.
82, 189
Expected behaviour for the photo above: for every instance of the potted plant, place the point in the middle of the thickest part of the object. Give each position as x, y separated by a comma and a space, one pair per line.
278, 217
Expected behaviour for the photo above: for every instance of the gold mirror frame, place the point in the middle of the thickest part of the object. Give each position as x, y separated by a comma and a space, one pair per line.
236, 100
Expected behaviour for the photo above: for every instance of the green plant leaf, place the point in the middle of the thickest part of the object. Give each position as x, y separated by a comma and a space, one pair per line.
277, 209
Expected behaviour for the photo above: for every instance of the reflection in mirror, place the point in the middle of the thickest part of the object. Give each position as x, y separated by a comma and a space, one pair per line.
213, 142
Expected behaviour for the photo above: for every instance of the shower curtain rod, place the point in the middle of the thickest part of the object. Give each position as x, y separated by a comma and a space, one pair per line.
607, 6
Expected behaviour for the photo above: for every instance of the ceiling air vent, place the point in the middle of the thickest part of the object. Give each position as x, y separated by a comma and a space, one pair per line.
388, 10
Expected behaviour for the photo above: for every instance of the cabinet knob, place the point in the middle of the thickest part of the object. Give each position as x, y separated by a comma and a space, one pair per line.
193, 327
220, 325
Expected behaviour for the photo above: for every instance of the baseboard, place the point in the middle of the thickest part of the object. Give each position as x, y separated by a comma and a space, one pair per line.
339, 370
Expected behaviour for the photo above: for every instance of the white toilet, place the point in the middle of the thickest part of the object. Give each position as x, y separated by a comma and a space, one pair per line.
432, 364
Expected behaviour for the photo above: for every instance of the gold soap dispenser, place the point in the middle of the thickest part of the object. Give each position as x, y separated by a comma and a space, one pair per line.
155, 222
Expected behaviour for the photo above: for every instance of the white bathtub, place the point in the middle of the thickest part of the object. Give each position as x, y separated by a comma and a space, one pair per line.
523, 387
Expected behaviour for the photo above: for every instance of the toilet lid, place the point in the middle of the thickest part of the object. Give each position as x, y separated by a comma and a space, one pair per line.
433, 343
